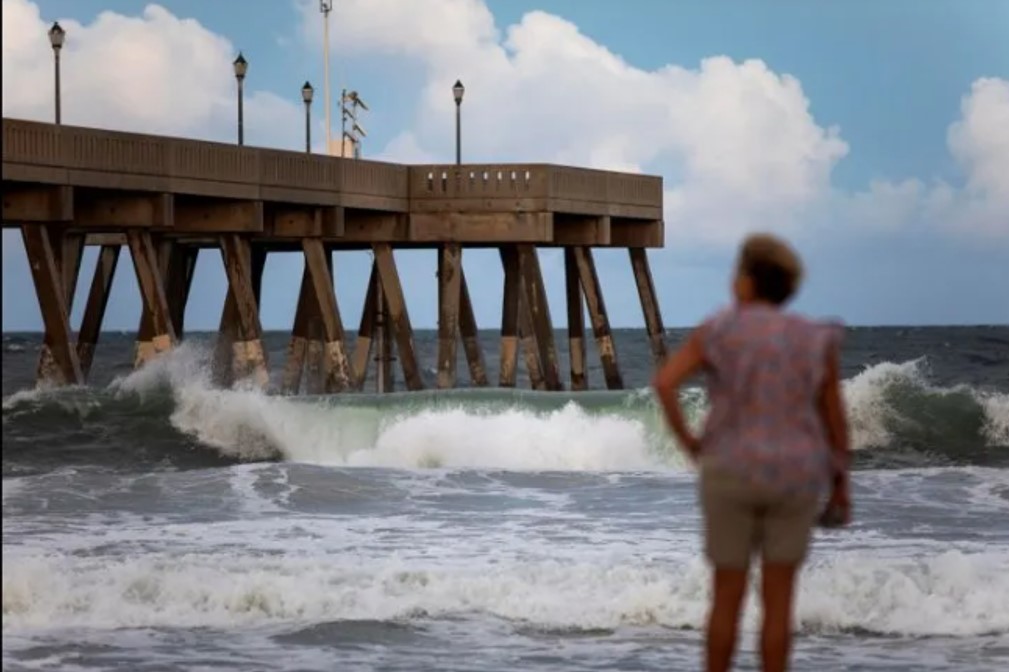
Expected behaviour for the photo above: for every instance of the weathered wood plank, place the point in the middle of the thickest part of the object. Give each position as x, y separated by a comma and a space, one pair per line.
398, 315
600, 320
470, 335
217, 216
152, 290
366, 331
68, 248
114, 210
144, 350
539, 310
249, 357
527, 340
649, 303
384, 342
510, 316
339, 375
51, 293
98, 301
297, 348
449, 274
179, 283
44, 204
576, 322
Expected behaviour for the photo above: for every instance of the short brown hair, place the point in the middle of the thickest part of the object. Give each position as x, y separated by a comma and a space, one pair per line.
772, 265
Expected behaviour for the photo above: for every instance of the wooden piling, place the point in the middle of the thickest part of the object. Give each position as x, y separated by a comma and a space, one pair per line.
600, 321
248, 355
67, 252
649, 303
336, 366
144, 350
576, 322
539, 311
449, 275
178, 283
398, 315
98, 301
366, 331
51, 292
510, 316
470, 335
297, 349
152, 290
384, 342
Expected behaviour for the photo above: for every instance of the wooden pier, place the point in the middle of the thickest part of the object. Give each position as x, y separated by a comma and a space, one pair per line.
166, 199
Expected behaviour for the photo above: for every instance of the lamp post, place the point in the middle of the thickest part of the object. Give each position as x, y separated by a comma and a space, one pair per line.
457, 92
306, 95
56, 37
241, 67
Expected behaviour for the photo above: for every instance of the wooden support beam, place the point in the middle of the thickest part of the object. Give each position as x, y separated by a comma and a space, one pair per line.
366, 331
152, 290
98, 301
470, 335
316, 364
101, 239
398, 314
649, 303
215, 216
227, 336
582, 230
249, 357
51, 292
68, 248
449, 274
510, 316
527, 339
145, 350
339, 375
297, 349
71, 253
111, 210
47, 204
600, 321
229, 340
539, 311
576, 322
179, 282
517, 324
383, 336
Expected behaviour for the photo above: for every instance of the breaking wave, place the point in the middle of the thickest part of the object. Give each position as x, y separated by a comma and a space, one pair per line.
951, 594
897, 419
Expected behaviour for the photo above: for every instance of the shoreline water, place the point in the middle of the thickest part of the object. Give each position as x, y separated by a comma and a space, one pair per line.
154, 522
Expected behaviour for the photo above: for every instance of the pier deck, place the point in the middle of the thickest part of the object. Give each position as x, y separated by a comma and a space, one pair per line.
164, 199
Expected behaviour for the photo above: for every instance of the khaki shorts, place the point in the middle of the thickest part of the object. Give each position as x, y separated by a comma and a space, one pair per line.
741, 519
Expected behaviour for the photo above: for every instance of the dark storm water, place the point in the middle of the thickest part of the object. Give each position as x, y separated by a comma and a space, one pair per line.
152, 522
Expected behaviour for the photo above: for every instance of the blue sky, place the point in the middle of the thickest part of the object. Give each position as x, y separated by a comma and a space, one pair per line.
868, 132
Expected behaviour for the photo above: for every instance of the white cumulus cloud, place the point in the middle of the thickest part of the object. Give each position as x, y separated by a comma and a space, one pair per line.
152, 73
736, 142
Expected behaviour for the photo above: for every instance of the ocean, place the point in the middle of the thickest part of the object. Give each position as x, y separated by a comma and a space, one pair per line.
153, 522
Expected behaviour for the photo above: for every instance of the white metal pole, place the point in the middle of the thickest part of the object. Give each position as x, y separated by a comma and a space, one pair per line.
329, 139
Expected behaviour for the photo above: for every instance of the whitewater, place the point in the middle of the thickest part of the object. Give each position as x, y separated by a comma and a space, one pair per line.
154, 522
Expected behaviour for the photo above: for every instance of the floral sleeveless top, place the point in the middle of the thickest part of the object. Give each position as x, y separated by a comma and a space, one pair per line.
765, 369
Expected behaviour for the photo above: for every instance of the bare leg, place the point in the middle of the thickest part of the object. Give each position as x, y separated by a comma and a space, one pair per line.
723, 619
776, 636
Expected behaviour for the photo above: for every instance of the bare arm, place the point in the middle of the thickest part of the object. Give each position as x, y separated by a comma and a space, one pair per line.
679, 367
835, 421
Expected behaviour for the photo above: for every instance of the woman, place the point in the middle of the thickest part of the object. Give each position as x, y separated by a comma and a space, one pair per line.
774, 444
